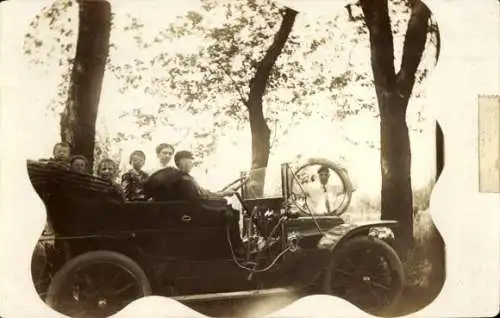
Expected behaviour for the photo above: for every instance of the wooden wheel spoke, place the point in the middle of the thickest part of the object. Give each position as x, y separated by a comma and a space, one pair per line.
85, 286
88, 281
121, 290
376, 297
102, 274
381, 286
353, 295
348, 293
116, 275
351, 263
366, 261
381, 274
343, 272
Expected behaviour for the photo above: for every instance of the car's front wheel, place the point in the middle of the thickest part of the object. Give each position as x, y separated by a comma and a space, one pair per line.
97, 284
366, 272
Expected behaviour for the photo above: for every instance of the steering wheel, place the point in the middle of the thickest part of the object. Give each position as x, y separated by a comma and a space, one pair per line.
241, 181
341, 174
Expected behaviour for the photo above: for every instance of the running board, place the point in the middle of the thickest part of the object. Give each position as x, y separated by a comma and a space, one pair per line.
234, 295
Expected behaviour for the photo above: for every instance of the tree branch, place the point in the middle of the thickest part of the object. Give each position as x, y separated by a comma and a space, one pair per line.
414, 45
348, 7
376, 14
259, 82
236, 86
258, 125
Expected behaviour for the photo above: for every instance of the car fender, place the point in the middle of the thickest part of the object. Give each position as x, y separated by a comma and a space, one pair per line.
335, 236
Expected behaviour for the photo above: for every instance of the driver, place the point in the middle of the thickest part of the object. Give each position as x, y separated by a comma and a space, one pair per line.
184, 162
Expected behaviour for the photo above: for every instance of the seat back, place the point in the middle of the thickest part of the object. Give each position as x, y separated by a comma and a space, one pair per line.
86, 207
65, 193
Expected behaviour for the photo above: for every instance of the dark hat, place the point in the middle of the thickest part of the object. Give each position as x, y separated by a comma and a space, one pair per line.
183, 154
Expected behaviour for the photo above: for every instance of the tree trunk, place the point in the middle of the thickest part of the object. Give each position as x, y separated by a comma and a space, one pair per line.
258, 126
395, 164
439, 151
78, 119
393, 93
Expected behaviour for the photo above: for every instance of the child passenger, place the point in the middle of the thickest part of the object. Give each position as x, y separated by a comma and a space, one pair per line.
60, 156
134, 179
79, 164
107, 170
61, 152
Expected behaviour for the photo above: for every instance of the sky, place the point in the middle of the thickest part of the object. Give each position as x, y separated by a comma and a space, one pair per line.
233, 153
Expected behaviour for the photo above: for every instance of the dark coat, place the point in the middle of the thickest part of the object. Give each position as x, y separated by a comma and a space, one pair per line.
171, 184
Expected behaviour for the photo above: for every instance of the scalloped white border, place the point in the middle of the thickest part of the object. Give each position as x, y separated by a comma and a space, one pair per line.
468, 221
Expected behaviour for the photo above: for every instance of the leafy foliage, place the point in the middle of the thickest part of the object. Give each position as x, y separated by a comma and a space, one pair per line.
399, 14
217, 69
51, 44
202, 63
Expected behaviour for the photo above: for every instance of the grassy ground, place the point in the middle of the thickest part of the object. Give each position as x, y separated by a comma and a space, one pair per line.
424, 266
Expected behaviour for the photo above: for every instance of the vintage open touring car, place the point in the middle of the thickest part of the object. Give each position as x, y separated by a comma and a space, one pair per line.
103, 252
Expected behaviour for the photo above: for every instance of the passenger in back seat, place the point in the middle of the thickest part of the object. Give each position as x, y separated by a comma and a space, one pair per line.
60, 156
133, 180
79, 163
107, 170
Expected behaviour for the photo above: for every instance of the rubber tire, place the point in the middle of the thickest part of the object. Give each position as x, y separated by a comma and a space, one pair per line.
391, 256
40, 270
96, 257
341, 173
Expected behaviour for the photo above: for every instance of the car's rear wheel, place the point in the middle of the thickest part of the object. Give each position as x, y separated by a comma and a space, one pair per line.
40, 269
366, 272
97, 284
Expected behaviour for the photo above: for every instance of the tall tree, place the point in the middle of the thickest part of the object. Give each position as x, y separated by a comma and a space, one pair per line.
393, 91
236, 67
258, 125
201, 66
78, 119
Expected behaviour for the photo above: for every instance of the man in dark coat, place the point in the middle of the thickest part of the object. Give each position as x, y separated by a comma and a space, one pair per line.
184, 161
177, 184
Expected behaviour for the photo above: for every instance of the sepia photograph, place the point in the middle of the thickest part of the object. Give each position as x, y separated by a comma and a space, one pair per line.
236, 156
